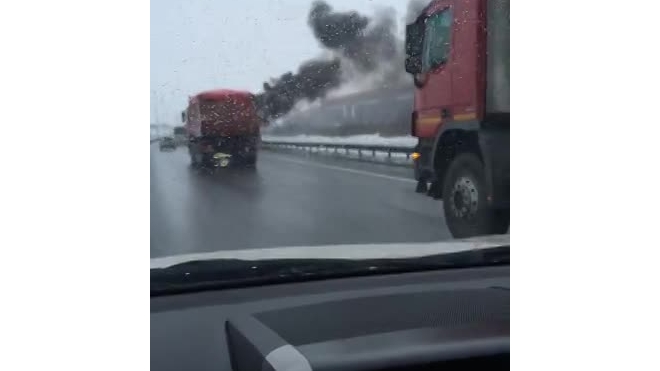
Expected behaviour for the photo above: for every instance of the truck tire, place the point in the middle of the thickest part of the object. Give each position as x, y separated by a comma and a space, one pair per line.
465, 205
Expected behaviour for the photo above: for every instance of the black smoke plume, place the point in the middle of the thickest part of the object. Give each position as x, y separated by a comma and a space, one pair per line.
364, 42
360, 46
313, 79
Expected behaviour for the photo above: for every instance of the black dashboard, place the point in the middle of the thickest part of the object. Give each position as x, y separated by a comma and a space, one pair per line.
449, 319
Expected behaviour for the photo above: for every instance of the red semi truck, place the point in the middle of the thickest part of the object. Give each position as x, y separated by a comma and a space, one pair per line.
458, 54
222, 127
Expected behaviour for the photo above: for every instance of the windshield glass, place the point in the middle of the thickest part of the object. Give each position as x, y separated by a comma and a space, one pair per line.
299, 124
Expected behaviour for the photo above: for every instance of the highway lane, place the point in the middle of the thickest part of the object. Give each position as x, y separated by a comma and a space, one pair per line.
288, 200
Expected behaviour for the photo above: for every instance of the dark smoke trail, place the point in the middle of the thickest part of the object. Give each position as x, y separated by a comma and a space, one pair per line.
313, 80
362, 46
364, 42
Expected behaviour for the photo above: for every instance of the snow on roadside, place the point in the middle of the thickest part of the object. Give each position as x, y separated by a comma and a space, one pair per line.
365, 139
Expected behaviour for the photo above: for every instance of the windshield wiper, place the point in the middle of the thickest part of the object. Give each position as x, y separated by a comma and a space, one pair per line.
218, 274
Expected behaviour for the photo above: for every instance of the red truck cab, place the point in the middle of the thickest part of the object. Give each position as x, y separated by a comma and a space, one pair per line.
458, 54
222, 124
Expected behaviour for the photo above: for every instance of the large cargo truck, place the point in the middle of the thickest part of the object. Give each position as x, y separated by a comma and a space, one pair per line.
458, 54
222, 127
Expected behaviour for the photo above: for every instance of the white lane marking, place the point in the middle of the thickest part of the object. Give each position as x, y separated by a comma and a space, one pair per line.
354, 171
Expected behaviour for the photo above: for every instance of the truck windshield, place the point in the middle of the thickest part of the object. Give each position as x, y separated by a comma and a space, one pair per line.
437, 39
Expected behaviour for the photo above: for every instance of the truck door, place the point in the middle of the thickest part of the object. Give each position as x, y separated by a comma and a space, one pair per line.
434, 98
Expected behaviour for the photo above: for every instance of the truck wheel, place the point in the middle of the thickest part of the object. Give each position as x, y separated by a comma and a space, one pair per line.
466, 210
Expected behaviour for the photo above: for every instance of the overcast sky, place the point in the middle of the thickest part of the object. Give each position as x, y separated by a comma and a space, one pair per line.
206, 44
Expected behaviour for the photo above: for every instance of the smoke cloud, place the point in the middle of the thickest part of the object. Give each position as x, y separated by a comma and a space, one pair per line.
312, 80
362, 41
365, 54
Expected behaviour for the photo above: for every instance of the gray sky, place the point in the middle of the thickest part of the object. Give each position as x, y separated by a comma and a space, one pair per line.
206, 44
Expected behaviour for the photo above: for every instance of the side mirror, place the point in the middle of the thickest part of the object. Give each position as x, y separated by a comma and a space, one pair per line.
414, 44
414, 65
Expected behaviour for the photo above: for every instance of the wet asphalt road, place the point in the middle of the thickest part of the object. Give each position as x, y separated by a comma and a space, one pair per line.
288, 200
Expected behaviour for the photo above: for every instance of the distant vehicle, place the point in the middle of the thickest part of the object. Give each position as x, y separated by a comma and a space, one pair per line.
222, 127
458, 54
167, 143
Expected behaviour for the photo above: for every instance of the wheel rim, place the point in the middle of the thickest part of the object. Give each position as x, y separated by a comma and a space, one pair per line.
464, 200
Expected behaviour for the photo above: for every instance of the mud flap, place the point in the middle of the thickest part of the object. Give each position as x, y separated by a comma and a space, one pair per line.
422, 186
435, 190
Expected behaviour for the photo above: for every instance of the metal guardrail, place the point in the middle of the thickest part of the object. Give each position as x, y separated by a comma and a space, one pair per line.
364, 151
